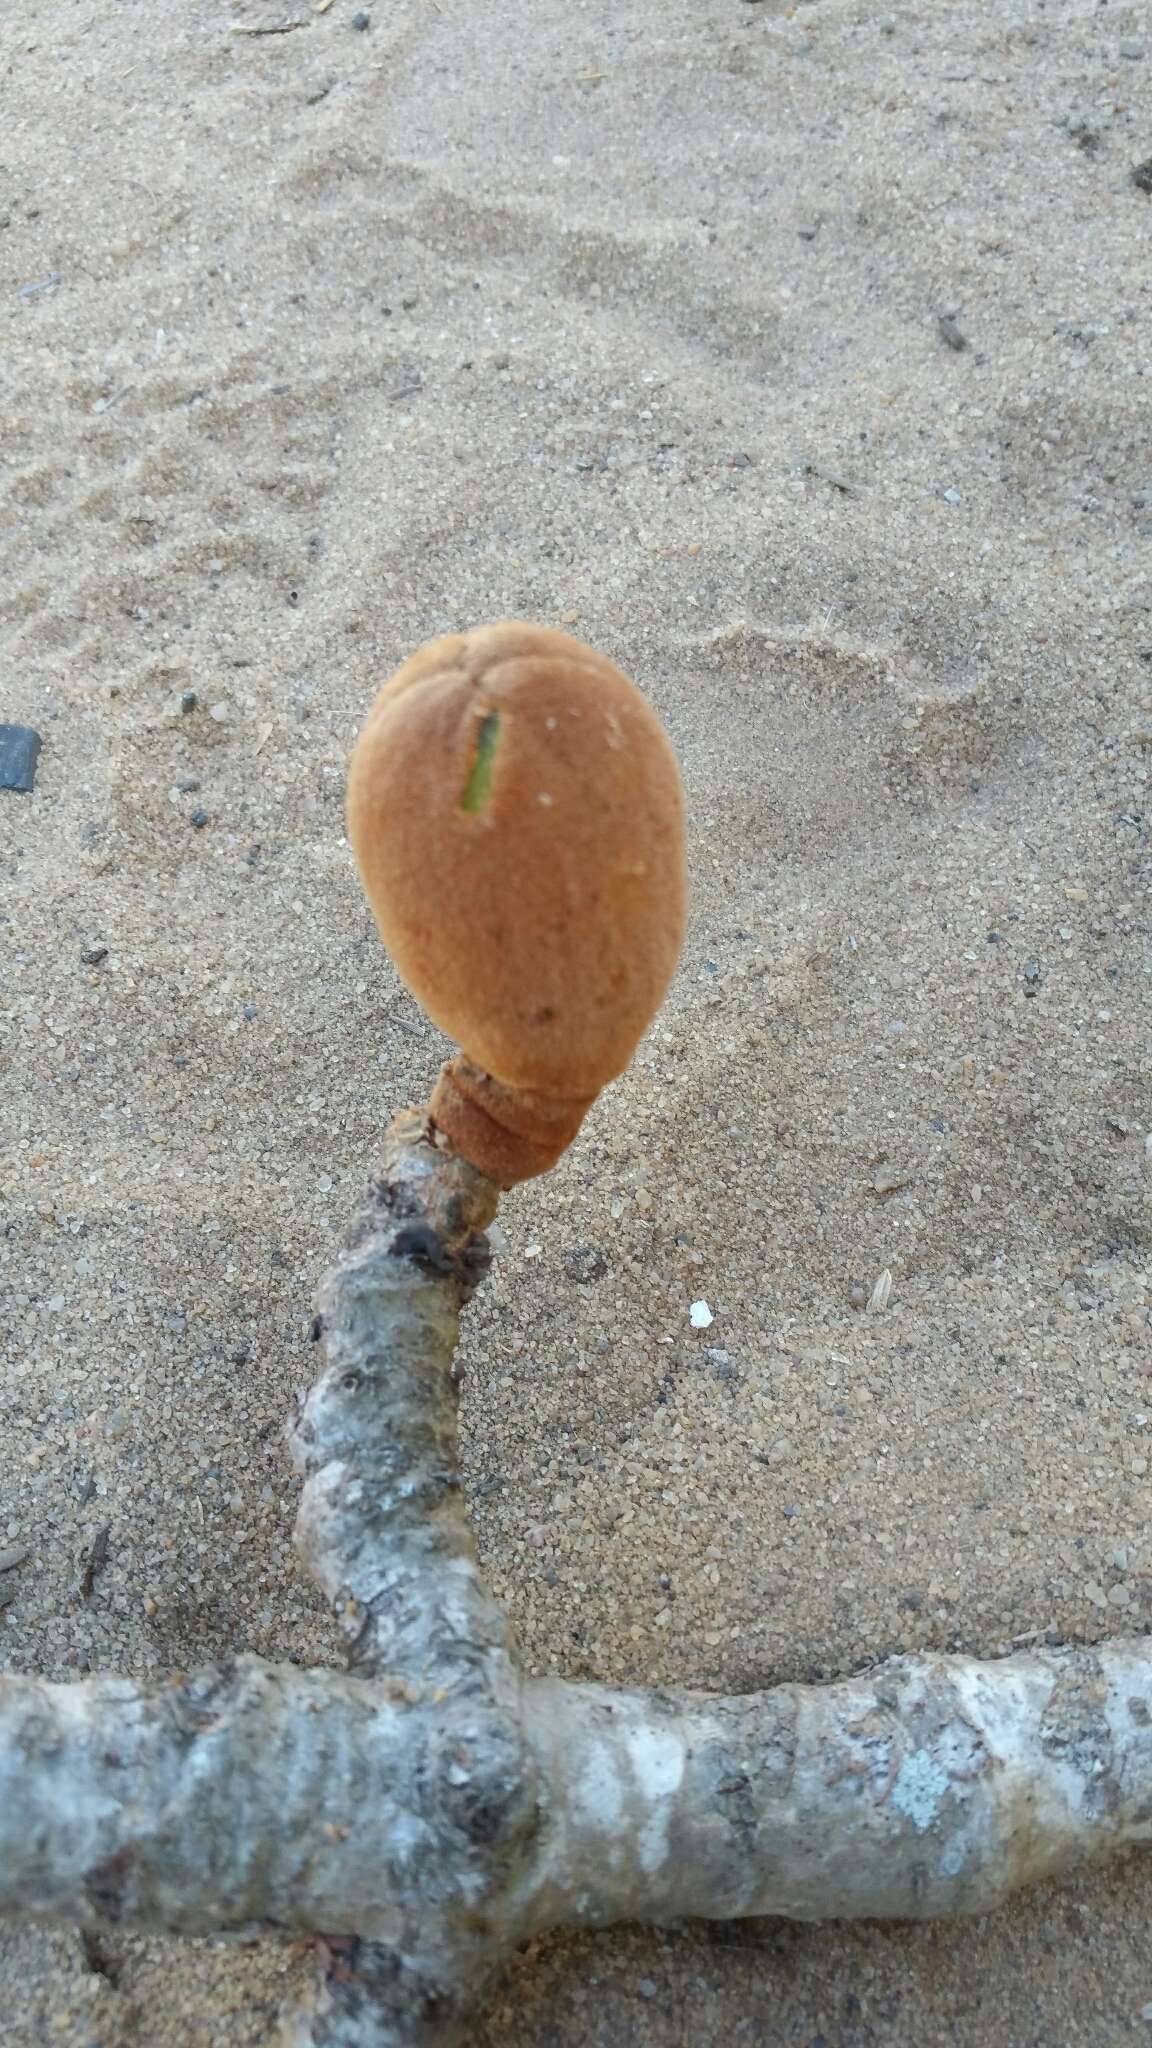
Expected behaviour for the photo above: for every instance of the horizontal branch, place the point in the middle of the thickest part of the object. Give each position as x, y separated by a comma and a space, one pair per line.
261, 1795
249, 1795
931, 1785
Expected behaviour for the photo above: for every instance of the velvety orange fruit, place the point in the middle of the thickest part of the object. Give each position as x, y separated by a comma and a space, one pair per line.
517, 818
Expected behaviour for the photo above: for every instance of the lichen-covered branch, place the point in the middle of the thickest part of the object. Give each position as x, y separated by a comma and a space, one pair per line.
382, 1529
430, 1808
251, 1794
259, 1794
382, 1526
934, 1785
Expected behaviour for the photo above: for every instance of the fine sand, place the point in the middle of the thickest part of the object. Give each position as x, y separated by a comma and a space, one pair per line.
621, 316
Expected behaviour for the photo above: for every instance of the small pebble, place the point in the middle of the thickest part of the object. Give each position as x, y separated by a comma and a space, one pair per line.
93, 955
16, 1553
700, 1315
361, 20
19, 753
1142, 175
951, 334
198, 820
646, 1988
188, 701
1119, 1596
1132, 48
951, 496
585, 1263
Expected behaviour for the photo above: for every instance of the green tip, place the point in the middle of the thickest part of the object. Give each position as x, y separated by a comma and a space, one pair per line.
478, 787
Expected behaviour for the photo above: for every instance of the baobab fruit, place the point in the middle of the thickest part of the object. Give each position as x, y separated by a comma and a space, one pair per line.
517, 818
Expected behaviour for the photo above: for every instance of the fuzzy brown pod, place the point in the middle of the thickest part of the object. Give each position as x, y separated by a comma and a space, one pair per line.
517, 818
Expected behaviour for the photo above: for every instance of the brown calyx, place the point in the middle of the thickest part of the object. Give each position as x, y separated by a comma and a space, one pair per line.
509, 1134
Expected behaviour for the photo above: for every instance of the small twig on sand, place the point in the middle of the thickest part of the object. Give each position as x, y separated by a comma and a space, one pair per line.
278, 28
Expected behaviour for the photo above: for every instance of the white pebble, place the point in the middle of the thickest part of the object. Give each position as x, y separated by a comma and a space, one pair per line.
700, 1315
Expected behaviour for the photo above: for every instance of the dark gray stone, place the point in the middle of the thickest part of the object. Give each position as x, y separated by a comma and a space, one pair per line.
19, 753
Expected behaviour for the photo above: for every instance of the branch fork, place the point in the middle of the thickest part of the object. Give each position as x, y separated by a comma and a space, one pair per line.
430, 1808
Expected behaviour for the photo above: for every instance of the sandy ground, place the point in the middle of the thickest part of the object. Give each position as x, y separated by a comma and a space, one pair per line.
624, 316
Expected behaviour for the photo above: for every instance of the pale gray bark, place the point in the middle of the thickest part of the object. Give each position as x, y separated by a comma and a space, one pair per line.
432, 1808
